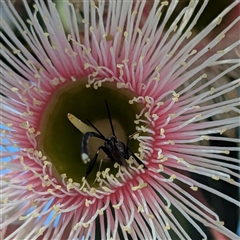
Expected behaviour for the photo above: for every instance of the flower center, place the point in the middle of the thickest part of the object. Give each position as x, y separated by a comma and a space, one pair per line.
61, 141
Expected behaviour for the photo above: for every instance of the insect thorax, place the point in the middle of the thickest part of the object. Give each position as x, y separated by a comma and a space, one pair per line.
113, 143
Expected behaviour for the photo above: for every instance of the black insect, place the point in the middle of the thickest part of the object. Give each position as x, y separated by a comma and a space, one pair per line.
116, 150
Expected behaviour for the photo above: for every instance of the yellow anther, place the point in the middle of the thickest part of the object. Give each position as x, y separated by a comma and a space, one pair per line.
35, 214
162, 131
143, 184
40, 231
84, 21
127, 229
134, 12
205, 137
171, 142
172, 177
165, 3
169, 210
160, 104
140, 167
226, 152
150, 216
215, 177
116, 206
220, 38
13, 89
193, 52
161, 167
194, 188
140, 208
212, 90
16, 51
182, 63
135, 188
230, 180
85, 225
106, 189
93, 190
167, 227
100, 212
76, 227
160, 156
189, 34
139, 30
223, 130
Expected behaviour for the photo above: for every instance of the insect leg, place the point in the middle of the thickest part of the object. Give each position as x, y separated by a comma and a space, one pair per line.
136, 158
127, 149
84, 146
93, 161
110, 119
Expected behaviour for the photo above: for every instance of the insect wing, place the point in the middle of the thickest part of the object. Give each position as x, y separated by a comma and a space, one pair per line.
81, 126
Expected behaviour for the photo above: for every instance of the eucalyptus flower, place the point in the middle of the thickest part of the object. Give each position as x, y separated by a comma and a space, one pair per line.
101, 67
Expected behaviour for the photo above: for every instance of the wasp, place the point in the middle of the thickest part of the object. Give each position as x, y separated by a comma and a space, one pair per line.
115, 150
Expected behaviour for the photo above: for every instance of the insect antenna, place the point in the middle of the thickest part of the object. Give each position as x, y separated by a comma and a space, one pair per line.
102, 136
110, 119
